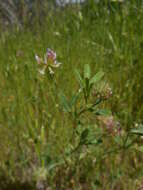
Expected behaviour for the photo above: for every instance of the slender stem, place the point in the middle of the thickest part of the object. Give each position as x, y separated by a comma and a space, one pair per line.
89, 108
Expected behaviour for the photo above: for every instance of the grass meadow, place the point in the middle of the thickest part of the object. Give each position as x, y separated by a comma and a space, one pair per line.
44, 144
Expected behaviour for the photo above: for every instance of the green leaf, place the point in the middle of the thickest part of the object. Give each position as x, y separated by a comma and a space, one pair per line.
94, 141
79, 78
84, 135
87, 71
65, 103
74, 99
138, 131
112, 41
53, 165
91, 139
97, 77
104, 112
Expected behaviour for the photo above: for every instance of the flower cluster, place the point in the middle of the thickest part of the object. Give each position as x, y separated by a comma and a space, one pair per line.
104, 92
49, 62
110, 124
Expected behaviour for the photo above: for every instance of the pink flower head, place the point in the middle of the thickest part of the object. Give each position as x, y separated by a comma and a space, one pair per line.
110, 124
51, 58
51, 55
49, 62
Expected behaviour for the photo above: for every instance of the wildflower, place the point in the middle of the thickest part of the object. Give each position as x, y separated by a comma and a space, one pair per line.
50, 58
48, 62
107, 93
110, 124
102, 91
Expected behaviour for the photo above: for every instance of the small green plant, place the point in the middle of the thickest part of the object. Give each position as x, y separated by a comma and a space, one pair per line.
92, 125
84, 105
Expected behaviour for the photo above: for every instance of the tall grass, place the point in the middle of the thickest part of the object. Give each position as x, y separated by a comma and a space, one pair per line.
108, 37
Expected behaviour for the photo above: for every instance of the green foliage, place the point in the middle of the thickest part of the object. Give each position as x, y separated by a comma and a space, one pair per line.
96, 77
62, 130
138, 131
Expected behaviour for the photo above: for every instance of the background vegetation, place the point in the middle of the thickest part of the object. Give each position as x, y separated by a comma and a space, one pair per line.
36, 132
